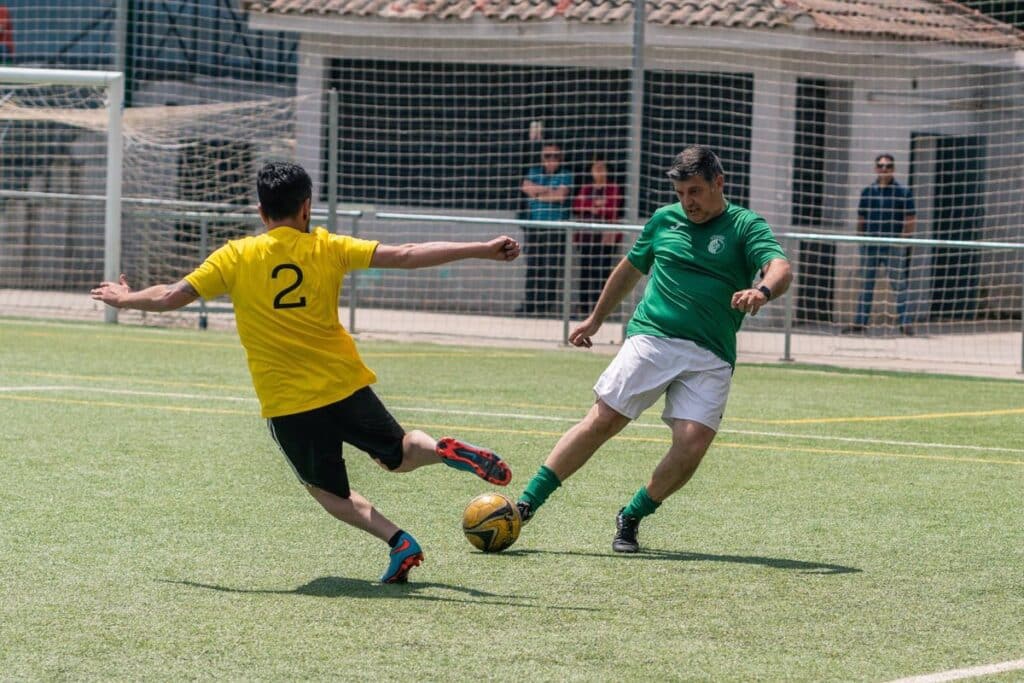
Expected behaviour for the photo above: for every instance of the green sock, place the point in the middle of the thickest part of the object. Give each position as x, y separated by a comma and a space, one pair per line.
540, 487
641, 505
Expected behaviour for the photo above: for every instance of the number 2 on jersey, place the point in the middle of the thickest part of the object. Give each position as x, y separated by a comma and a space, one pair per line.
279, 301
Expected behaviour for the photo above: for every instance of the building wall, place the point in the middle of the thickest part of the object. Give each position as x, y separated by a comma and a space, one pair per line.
890, 96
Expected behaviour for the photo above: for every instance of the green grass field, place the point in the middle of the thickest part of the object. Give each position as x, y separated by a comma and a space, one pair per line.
846, 526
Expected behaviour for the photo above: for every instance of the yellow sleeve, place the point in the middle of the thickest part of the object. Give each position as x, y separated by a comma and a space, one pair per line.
353, 253
214, 276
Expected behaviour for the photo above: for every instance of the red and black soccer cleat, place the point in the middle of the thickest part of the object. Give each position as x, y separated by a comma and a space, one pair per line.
482, 462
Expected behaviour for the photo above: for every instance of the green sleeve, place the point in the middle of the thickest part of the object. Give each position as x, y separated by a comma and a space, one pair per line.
642, 253
761, 245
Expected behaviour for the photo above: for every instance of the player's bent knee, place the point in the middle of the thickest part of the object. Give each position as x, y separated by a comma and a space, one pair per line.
603, 431
323, 495
384, 466
691, 431
606, 422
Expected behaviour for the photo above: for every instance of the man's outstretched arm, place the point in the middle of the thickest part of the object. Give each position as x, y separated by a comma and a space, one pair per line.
621, 282
425, 254
157, 298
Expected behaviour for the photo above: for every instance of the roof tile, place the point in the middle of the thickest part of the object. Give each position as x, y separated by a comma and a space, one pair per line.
934, 20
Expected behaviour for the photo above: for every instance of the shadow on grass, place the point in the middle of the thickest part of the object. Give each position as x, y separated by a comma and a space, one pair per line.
675, 556
342, 587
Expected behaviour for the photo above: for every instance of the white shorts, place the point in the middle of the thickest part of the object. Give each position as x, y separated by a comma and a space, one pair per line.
695, 381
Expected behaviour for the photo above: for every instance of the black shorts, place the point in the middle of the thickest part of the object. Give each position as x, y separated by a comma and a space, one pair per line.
312, 440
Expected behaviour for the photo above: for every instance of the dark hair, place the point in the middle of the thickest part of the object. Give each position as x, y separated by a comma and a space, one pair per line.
551, 143
885, 156
282, 187
696, 160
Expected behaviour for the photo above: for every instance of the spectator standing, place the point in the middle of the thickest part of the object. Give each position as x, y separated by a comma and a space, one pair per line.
886, 209
598, 201
547, 188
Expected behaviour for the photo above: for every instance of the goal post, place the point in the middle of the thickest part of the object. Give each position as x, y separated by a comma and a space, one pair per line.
113, 83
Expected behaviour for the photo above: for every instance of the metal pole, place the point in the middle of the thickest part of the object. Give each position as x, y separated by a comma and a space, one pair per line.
332, 161
636, 127
120, 33
787, 324
636, 114
204, 249
1022, 314
124, 36
112, 219
566, 284
636, 123
353, 286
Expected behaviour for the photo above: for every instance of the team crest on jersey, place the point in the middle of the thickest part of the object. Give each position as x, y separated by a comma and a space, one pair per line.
716, 244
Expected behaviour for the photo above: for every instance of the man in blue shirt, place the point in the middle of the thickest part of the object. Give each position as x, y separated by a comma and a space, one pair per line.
547, 188
886, 209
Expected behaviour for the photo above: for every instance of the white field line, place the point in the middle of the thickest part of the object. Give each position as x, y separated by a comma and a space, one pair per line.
960, 674
517, 416
877, 442
33, 388
746, 432
128, 392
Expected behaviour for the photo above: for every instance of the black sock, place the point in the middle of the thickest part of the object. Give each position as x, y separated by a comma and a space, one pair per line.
393, 541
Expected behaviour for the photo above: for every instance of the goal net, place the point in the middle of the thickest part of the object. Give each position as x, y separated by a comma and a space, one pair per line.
60, 134
798, 121
184, 183
446, 108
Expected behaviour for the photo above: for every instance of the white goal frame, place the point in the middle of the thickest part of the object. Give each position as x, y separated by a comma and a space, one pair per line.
113, 82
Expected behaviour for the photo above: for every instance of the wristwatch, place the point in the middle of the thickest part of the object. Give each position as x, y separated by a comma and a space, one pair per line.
766, 291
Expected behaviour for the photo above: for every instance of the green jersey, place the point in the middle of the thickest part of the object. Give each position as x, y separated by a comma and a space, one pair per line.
693, 271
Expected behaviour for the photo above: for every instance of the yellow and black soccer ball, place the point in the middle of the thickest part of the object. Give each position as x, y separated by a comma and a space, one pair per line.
491, 522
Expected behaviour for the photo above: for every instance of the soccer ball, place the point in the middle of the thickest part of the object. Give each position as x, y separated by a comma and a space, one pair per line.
491, 522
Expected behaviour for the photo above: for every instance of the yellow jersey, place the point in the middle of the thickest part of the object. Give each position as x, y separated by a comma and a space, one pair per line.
285, 285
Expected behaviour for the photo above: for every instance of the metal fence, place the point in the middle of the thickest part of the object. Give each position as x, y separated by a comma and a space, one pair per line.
780, 321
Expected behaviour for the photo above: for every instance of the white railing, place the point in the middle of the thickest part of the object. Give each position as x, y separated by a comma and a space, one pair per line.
208, 216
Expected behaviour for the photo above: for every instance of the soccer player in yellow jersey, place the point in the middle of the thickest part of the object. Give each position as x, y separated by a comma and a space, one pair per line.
312, 385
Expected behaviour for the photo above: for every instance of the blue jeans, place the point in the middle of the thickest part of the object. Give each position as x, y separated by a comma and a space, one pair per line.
893, 261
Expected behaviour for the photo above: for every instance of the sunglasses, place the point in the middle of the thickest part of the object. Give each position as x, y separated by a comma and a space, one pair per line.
884, 166
552, 156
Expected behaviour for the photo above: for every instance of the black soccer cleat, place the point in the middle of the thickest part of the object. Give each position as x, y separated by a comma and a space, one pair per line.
525, 511
626, 528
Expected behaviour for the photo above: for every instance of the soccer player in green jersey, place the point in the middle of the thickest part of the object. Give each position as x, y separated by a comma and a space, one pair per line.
313, 387
701, 255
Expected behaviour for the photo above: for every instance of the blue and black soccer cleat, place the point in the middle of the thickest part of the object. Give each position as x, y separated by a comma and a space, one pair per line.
404, 556
482, 462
